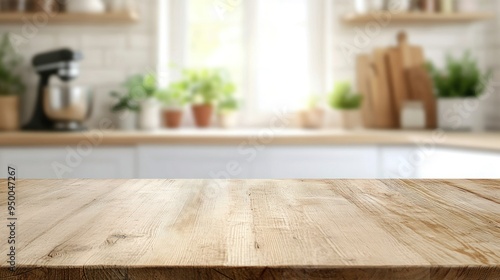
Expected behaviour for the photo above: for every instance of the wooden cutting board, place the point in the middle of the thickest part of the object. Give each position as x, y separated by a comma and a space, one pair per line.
363, 85
383, 97
397, 79
400, 59
421, 88
255, 229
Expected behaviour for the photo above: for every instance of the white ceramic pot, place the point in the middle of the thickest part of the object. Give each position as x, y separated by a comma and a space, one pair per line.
350, 119
227, 119
85, 6
126, 120
462, 114
149, 115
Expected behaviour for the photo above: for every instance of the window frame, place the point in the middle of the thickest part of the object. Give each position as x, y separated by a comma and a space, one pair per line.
173, 38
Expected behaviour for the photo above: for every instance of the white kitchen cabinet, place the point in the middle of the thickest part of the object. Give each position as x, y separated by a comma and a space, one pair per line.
458, 163
317, 162
70, 162
247, 162
270, 162
192, 162
399, 162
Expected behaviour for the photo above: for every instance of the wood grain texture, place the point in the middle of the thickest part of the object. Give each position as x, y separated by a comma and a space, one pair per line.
422, 18
256, 229
68, 18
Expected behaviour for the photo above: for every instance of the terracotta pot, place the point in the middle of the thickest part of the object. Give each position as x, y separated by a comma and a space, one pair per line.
9, 113
202, 114
312, 119
172, 118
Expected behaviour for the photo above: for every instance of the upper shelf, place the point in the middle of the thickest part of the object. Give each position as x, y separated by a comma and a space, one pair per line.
416, 17
58, 18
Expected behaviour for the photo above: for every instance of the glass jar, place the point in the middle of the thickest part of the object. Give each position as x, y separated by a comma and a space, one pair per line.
413, 115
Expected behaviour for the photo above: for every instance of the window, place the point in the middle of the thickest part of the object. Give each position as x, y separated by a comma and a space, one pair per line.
265, 44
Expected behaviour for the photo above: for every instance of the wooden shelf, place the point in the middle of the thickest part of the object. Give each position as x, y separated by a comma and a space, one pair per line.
68, 18
421, 17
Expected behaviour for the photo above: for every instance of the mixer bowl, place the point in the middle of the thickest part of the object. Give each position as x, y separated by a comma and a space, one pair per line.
68, 106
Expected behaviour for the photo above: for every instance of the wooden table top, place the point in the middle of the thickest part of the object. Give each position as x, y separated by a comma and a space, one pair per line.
255, 229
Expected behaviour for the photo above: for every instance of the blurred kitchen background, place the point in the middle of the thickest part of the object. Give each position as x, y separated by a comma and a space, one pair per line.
320, 66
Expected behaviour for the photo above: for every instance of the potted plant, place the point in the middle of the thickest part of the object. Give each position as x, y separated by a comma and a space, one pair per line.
348, 104
458, 87
174, 98
125, 109
205, 87
227, 112
11, 85
227, 108
143, 88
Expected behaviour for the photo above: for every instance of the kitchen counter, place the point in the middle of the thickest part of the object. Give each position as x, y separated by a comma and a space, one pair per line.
486, 141
256, 229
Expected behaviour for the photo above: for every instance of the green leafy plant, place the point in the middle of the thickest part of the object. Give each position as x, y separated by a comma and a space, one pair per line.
313, 101
343, 98
124, 102
141, 86
10, 81
228, 104
176, 95
208, 86
137, 87
460, 77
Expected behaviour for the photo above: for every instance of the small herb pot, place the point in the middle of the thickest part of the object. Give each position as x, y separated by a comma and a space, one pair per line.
126, 120
351, 119
203, 114
460, 114
172, 118
149, 115
227, 119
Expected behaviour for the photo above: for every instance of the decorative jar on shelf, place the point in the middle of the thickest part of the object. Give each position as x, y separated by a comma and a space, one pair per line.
87, 6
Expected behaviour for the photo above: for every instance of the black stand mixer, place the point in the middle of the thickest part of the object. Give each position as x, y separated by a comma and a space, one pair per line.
59, 107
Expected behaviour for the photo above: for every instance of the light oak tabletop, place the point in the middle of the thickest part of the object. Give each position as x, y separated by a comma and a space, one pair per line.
254, 229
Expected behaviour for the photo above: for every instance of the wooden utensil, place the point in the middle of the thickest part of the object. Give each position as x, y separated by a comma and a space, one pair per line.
422, 89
